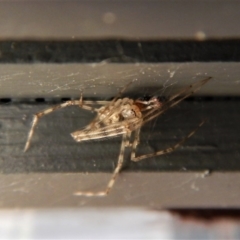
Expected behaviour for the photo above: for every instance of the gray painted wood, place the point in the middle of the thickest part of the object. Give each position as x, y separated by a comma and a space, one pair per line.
113, 19
53, 149
103, 80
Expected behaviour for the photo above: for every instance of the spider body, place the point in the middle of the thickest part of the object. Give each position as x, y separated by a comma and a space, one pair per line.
123, 117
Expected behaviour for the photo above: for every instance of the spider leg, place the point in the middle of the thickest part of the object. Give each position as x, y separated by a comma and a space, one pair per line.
114, 175
38, 115
175, 99
89, 102
165, 151
135, 143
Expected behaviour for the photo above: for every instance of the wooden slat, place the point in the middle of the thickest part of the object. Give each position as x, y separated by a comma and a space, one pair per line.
103, 80
114, 19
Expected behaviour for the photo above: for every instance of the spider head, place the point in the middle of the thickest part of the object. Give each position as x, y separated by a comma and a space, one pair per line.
146, 102
156, 102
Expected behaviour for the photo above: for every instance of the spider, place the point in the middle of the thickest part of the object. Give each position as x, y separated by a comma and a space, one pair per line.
122, 116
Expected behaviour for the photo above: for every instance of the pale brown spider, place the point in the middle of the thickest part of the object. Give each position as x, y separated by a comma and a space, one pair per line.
122, 116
